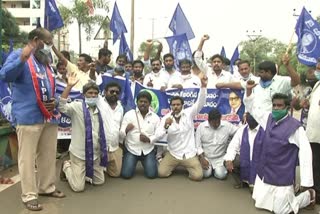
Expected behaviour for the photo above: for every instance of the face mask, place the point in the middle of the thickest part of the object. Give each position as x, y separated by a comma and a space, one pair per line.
252, 123
278, 114
91, 101
317, 74
47, 47
265, 84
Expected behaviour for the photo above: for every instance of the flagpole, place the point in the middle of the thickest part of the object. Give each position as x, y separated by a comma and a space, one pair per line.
132, 28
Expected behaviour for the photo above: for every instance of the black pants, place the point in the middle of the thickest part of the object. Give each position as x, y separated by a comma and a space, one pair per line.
316, 168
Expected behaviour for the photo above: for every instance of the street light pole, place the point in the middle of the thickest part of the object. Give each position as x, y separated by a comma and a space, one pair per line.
132, 28
254, 36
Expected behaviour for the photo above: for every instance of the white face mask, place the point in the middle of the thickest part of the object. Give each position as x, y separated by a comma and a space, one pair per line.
91, 101
47, 47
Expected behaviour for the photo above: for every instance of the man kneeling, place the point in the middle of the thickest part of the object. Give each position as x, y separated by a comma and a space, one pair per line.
88, 150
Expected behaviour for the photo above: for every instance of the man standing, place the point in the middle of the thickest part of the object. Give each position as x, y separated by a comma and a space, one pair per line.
215, 74
212, 137
156, 78
243, 152
138, 129
313, 124
186, 79
112, 114
33, 111
284, 142
88, 148
179, 126
104, 58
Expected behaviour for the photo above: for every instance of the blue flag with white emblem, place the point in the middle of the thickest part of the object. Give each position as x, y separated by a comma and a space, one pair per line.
179, 24
179, 47
6, 101
308, 32
52, 17
234, 58
117, 25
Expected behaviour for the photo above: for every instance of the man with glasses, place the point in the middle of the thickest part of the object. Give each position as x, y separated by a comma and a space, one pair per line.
35, 116
112, 117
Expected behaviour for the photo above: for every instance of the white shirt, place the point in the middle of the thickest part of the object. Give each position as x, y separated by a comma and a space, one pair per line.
181, 141
265, 194
78, 139
187, 81
148, 126
158, 80
263, 96
213, 79
168, 75
313, 122
235, 143
214, 142
243, 81
112, 119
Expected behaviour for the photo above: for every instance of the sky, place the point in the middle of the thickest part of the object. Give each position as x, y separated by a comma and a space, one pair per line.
227, 22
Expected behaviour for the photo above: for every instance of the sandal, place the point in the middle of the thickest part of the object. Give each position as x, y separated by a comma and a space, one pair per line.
54, 194
33, 205
312, 199
6, 180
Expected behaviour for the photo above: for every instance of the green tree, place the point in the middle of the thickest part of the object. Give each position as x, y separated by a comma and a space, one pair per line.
80, 13
142, 49
10, 30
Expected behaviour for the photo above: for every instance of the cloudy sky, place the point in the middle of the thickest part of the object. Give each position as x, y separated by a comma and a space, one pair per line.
226, 21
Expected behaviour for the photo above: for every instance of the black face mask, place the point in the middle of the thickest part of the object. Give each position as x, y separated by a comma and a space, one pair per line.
252, 123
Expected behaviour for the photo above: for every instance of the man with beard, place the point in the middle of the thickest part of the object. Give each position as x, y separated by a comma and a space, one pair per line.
271, 83
156, 78
112, 117
169, 69
243, 152
138, 128
85, 68
33, 111
186, 79
179, 127
215, 74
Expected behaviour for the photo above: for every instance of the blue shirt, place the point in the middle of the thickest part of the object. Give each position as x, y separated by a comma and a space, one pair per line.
25, 109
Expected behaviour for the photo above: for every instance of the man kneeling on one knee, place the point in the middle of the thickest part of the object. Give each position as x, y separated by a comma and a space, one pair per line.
212, 138
88, 149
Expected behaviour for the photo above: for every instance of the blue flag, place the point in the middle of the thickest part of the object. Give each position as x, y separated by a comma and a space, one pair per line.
234, 58
52, 17
6, 101
179, 47
308, 32
117, 25
179, 24
124, 48
127, 100
223, 52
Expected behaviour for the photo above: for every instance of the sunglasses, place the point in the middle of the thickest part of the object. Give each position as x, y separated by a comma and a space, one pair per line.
114, 92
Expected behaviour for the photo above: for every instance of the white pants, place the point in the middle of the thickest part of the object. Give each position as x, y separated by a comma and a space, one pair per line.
76, 173
219, 172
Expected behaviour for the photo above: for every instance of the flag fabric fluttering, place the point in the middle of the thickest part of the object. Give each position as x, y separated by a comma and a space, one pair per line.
52, 17
6, 101
179, 24
179, 47
235, 56
126, 99
124, 48
117, 25
308, 32
223, 52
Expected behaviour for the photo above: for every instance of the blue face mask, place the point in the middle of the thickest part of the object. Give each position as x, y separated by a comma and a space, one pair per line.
265, 84
91, 101
317, 74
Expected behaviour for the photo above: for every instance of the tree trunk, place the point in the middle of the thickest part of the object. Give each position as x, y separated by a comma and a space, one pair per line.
79, 29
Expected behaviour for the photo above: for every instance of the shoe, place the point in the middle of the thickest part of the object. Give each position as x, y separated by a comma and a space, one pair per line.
33, 205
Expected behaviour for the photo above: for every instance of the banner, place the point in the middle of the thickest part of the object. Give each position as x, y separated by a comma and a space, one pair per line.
64, 127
